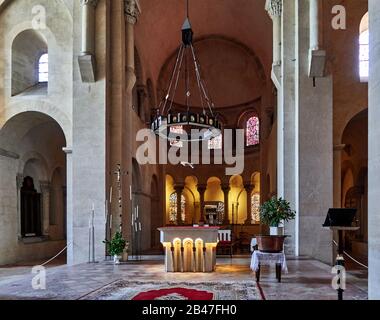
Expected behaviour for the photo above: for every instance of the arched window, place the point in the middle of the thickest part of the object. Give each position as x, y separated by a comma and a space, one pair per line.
173, 208
255, 207
364, 49
253, 131
43, 68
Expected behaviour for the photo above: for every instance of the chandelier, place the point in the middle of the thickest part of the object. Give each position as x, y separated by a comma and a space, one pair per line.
195, 124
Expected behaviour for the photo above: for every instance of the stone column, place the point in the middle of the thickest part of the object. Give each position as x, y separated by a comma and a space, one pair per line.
374, 153
88, 26
338, 175
179, 191
226, 191
314, 24
314, 184
249, 188
305, 152
45, 198
19, 181
127, 138
274, 8
87, 57
202, 189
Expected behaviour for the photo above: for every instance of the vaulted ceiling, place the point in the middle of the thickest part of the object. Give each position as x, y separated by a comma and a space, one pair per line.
158, 31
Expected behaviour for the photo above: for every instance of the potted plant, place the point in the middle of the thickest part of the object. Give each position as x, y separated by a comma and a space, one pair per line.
275, 212
116, 247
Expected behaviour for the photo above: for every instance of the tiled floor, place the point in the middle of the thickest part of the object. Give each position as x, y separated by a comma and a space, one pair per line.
307, 279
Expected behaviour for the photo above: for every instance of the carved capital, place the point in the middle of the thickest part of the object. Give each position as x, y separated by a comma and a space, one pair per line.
274, 8
19, 180
45, 187
132, 10
93, 3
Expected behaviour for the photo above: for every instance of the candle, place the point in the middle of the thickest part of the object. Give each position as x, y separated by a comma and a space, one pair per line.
111, 191
137, 212
111, 221
140, 226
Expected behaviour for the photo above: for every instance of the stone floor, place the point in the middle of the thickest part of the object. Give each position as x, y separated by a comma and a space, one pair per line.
307, 279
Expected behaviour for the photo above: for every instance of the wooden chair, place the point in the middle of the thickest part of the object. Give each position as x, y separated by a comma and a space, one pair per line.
226, 242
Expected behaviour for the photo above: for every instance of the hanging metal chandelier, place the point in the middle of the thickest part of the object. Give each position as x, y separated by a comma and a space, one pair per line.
195, 124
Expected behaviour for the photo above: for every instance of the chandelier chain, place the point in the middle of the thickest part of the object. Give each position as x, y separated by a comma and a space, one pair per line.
176, 82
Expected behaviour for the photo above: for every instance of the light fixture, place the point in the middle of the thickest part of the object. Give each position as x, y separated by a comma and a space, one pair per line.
196, 125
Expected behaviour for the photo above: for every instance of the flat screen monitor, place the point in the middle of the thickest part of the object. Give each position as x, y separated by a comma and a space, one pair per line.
340, 218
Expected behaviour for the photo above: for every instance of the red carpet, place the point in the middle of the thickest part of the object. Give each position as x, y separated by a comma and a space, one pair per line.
175, 294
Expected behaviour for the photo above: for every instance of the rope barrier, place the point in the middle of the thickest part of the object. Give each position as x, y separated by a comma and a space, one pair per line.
353, 259
56, 256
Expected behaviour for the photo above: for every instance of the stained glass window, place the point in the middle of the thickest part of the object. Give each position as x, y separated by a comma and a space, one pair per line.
175, 142
216, 143
255, 207
253, 131
364, 55
43, 68
173, 208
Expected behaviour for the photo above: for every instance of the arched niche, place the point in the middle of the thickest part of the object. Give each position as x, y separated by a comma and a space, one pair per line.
27, 49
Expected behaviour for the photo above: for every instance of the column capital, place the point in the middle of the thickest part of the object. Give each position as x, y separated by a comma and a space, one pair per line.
132, 10
179, 188
20, 180
249, 187
274, 8
226, 188
201, 187
93, 3
45, 186
340, 147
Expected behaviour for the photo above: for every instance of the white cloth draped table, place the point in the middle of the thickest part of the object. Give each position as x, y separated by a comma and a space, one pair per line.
267, 259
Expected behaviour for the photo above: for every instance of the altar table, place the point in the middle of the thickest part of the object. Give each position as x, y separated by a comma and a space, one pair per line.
189, 249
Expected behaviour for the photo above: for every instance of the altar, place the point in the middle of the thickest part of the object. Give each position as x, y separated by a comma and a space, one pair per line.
189, 249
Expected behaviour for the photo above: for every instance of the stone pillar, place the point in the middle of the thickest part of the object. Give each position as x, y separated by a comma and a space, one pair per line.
87, 58
374, 153
19, 181
314, 24
338, 175
127, 138
314, 184
202, 189
249, 188
226, 191
274, 8
179, 191
88, 26
45, 198
305, 152
287, 155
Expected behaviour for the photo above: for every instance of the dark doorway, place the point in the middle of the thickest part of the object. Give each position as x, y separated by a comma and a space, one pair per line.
30, 209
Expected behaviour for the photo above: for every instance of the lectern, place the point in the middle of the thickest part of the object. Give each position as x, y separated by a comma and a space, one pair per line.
340, 220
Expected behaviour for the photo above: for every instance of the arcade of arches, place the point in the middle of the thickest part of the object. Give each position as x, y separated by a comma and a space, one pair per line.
74, 94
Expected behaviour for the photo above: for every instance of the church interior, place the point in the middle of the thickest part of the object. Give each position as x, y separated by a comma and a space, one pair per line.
295, 81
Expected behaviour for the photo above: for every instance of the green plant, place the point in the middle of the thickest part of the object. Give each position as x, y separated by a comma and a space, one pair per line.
117, 245
275, 211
